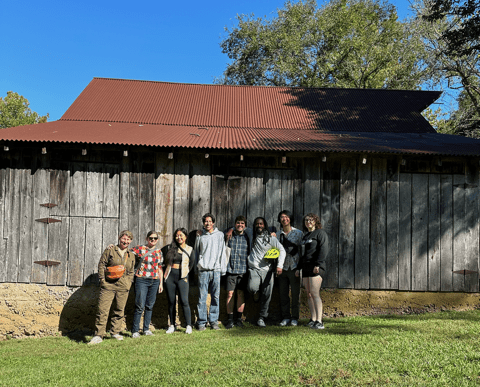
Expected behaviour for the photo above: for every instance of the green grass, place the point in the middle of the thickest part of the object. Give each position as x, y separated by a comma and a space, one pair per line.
435, 349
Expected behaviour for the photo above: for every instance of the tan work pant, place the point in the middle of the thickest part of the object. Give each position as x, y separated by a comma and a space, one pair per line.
105, 300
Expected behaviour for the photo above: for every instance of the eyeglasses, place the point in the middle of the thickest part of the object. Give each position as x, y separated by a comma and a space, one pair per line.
153, 239
308, 220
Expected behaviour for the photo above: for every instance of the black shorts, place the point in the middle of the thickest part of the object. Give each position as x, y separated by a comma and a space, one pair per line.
307, 271
236, 281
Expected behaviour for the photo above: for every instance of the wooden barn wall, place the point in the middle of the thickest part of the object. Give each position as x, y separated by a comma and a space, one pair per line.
388, 227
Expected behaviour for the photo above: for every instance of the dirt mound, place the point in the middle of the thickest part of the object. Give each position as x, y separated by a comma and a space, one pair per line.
40, 310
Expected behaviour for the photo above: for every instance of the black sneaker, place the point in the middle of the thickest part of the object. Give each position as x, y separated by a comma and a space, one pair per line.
311, 323
239, 323
230, 324
214, 326
201, 327
318, 325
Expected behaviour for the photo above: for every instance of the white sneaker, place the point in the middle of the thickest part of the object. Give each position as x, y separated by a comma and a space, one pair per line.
188, 331
95, 340
285, 322
118, 337
261, 322
148, 333
136, 335
170, 329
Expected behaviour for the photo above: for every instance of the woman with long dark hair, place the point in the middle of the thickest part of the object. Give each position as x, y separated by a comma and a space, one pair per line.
179, 260
313, 264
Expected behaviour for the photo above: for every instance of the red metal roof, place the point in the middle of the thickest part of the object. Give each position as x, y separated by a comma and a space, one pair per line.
242, 139
356, 110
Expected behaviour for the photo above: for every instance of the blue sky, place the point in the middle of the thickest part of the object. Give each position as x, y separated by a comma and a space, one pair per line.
52, 49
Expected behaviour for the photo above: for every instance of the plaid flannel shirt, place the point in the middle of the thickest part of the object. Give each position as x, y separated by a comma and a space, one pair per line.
239, 254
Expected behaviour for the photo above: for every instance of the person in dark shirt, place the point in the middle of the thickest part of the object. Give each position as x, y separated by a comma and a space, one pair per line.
312, 263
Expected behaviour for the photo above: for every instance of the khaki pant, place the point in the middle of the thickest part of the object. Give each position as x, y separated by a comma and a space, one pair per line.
107, 297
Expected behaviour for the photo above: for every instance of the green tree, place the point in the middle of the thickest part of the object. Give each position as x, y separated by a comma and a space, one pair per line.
15, 111
356, 43
453, 56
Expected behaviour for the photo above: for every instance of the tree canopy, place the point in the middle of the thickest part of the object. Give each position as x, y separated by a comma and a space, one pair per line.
15, 111
450, 31
344, 43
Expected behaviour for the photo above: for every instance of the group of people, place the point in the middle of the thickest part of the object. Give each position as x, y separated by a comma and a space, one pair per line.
249, 257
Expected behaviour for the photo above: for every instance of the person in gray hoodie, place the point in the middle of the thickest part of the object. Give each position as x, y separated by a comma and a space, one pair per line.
211, 265
260, 269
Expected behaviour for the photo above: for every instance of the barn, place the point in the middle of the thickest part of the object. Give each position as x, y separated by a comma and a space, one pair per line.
400, 203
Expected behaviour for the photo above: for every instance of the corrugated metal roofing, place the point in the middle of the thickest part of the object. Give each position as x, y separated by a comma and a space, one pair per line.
355, 110
242, 138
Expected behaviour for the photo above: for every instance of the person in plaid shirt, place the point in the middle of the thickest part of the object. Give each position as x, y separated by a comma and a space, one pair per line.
239, 240
148, 282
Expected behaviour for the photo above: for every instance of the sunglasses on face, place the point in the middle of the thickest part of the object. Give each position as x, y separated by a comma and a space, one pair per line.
153, 239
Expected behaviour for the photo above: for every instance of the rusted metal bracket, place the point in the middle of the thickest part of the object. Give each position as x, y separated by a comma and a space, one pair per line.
464, 272
47, 263
48, 205
47, 220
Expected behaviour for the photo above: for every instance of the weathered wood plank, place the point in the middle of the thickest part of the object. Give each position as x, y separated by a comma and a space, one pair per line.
78, 189
405, 233
26, 225
346, 256
393, 215
312, 189
134, 205
3, 220
124, 205
76, 251
446, 227
378, 226
58, 236
12, 226
94, 248
255, 194
273, 196
298, 200
110, 233
220, 200
459, 249
94, 197
200, 190
472, 228
60, 192
164, 193
41, 183
181, 202
146, 219
111, 191
419, 232
287, 190
434, 283
330, 217
237, 197
362, 227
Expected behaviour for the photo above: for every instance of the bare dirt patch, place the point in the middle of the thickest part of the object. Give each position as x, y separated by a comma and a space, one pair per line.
29, 310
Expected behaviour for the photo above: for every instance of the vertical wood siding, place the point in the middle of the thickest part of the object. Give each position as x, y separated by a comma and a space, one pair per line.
387, 229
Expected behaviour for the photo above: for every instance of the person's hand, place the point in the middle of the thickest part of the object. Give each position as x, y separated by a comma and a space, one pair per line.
297, 273
279, 271
274, 234
316, 270
110, 246
160, 288
199, 232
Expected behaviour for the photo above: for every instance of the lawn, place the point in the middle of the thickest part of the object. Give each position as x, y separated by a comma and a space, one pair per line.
434, 349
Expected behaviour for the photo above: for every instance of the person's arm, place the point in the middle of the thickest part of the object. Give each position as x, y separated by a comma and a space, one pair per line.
321, 251
102, 264
281, 258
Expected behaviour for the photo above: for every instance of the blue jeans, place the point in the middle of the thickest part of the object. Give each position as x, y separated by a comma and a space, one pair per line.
146, 290
208, 282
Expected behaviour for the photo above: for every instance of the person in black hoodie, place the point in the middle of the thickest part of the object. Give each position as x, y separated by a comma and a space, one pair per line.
314, 250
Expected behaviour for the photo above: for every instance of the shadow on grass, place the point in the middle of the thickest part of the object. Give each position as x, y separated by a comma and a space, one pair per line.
470, 315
